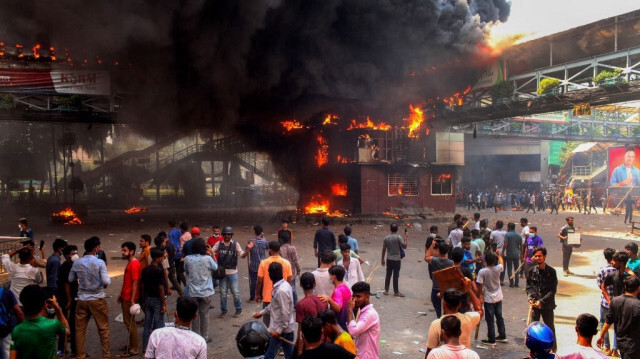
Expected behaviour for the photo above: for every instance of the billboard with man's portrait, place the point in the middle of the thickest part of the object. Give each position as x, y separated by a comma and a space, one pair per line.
624, 166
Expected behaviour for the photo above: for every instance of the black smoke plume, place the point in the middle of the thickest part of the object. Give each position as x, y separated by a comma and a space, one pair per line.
244, 66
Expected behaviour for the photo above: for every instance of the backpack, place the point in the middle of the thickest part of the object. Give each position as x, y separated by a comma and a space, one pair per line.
5, 325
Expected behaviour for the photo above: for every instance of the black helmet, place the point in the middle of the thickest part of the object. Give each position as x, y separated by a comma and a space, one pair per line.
252, 338
227, 230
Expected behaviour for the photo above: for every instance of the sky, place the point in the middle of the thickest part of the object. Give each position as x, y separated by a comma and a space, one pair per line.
538, 18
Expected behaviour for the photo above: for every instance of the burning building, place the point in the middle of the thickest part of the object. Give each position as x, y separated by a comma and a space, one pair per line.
363, 166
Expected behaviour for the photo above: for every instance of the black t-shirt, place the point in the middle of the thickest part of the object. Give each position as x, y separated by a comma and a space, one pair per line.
617, 281
63, 278
152, 279
327, 350
624, 313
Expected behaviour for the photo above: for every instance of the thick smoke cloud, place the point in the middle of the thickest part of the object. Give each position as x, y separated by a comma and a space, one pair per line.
246, 65
196, 63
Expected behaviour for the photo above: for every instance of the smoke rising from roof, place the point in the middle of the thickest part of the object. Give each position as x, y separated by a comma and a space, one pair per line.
246, 65
197, 63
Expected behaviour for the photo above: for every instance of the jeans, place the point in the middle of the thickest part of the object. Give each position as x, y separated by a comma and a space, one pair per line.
512, 264
99, 310
230, 281
6, 345
603, 314
253, 280
437, 302
491, 310
393, 267
200, 325
295, 293
547, 317
274, 347
266, 318
180, 272
153, 318
566, 256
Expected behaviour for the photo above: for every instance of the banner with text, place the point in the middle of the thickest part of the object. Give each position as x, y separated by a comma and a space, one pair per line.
71, 82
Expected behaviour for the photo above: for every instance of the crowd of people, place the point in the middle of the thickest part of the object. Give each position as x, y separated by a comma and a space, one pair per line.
334, 316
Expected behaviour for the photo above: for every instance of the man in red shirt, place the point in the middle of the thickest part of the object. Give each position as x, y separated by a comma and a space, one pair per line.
129, 296
215, 238
309, 305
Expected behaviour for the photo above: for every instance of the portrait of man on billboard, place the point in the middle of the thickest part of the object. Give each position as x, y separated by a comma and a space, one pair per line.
626, 175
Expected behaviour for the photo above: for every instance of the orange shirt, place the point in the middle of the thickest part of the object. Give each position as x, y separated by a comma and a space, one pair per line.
144, 258
263, 272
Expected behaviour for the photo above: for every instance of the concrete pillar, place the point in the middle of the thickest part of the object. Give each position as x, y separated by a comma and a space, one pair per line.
544, 164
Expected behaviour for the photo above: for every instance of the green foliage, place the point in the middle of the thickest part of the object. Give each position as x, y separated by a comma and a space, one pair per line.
605, 74
70, 101
566, 150
502, 89
6, 98
547, 84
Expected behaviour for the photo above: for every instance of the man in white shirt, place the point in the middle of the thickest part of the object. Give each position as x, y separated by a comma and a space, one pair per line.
489, 278
178, 341
324, 285
21, 274
452, 348
451, 305
456, 235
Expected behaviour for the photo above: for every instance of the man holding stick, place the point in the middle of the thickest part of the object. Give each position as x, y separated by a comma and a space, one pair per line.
542, 284
282, 323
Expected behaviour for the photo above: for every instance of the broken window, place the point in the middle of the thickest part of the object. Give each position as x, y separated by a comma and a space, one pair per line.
400, 184
441, 184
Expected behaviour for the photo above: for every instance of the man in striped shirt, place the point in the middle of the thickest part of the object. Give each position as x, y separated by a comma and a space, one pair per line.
604, 304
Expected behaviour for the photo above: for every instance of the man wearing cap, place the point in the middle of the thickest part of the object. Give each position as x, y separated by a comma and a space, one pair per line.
228, 251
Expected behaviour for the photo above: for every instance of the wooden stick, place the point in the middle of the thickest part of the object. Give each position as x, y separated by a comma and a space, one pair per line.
529, 315
287, 341
517, 270
371, 274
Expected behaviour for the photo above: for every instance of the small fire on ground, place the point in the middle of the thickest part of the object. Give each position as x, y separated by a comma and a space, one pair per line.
320, 205
135, 209
67, 217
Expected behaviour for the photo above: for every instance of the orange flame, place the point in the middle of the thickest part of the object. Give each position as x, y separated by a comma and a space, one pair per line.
322, 155
443, 178
135, 209
69, 216
35, 51
340, 159
319, 205
497, 41
457, 99
391, 214
327, 120
339, 189
416, 118
291, 125
369, 124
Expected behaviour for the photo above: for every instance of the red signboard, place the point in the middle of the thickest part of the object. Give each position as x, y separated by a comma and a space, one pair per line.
624, 166
68, 82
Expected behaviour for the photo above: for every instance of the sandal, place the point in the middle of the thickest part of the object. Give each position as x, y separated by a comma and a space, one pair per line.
127, 355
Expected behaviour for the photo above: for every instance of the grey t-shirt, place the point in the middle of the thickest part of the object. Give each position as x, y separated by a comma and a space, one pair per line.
438, 263
393, 242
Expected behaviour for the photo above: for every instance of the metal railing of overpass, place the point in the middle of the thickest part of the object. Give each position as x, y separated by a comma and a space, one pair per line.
576, 87
575, 129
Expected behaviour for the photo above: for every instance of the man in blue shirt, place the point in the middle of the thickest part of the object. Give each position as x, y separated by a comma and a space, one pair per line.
93, 279
626, 175
53, 262
257, 252
350, 240
174, 238
198, 268
25, 231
